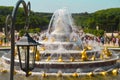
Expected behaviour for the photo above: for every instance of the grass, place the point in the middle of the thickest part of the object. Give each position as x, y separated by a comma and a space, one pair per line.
97, 77
5, 76
4, 46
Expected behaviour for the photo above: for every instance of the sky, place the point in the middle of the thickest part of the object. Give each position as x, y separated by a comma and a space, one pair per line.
73, 6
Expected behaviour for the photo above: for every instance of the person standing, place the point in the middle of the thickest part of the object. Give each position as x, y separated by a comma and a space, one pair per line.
116, 43
119, 42
102, 40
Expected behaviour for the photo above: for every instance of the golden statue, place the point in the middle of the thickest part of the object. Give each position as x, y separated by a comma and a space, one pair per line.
104, 73
115, 72
29, 73
48, 59
44, 74
46, 39
3, 71
90, 74
107, 52
89, 47
101, 56
37, 56
15, 72
93, 58
42, 48
84, 55
60, 59
59, 74
72, 59
75, 74
1, 42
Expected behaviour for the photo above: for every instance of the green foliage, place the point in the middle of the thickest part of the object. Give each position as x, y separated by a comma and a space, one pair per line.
107, 20
37, 20
21, 32
35, 30
94, 32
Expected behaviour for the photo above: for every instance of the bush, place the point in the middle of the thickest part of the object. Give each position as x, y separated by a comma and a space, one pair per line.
22, 31
94, 32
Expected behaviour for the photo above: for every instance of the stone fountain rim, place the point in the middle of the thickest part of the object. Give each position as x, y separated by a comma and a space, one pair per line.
81, 62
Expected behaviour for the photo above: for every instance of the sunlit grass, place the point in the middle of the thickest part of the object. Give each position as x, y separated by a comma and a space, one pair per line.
96, 77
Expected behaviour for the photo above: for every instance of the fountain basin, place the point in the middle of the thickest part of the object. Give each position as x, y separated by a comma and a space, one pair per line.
70, 67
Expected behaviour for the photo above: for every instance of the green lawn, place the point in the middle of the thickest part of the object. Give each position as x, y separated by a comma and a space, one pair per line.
97, 77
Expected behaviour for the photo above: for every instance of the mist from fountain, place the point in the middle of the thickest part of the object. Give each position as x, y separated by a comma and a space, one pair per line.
61, 30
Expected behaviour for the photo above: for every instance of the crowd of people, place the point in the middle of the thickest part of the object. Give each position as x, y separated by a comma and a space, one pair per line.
105, 41
111, 41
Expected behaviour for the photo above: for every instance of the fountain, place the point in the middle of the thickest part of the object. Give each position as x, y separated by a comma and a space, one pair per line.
63, 52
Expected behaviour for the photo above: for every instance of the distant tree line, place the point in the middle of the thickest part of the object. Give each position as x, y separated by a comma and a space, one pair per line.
107, 20
37, 20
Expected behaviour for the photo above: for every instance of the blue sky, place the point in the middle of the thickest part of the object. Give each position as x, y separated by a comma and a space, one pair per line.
74, 6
